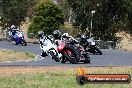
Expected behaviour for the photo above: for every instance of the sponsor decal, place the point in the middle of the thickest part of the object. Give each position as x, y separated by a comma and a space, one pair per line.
83, 78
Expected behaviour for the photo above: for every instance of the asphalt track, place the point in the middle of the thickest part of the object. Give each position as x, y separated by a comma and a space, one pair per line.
109, 57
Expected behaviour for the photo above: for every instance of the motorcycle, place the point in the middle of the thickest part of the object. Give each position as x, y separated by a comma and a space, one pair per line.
49, 49
68, 52
18, 38
82, 56
91, 46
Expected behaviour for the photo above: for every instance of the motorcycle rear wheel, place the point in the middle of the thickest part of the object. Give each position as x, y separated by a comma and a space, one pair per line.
64, 60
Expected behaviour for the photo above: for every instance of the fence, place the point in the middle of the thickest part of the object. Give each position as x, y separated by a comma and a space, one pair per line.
3, 34
106, 44
101, 44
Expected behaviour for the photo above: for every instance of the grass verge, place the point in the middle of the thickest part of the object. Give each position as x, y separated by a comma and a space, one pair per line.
55, 77
10, 55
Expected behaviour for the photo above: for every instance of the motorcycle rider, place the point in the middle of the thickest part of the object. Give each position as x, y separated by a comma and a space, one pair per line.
74, 42
13, 31
41, 35
67, 36
69, 39
90, 45
79, 49
83, 39
57, 35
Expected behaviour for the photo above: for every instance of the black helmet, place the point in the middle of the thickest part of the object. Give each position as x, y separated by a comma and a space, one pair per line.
41, 34
83, 38
57, 34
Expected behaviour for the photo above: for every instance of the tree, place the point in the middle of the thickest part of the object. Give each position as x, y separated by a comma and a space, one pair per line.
129, 10
47, 17
14, 11
111, 16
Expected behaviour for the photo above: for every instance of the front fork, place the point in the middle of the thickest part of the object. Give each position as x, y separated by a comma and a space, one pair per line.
55, 53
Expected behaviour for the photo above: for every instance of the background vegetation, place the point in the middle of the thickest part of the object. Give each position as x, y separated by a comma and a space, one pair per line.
47, 17
10, 55
109, 18
13, 12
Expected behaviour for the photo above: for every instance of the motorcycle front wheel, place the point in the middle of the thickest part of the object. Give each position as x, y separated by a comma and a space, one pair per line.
98, 50
54, 56
72, 57
24, 43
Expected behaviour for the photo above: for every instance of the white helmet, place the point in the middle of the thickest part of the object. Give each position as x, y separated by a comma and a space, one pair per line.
12, 26
66, 34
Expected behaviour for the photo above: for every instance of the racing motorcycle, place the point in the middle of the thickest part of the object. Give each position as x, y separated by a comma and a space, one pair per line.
18, 38
90, 45
68, 52
78, 52
48, 48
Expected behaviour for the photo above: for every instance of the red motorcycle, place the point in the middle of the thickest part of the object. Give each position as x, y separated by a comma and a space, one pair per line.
68, 52
82, 54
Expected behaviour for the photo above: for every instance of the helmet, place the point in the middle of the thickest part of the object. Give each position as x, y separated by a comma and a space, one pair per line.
12, 26
17, 29
41, 34
57, 34
66, 34
83, 38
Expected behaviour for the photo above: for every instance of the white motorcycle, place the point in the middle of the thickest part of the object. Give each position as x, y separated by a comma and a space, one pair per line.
49, 48
90, 45
93, 47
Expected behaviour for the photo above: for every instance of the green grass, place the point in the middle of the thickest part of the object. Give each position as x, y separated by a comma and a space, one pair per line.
55, 79
42, 80
10, 55
30, 55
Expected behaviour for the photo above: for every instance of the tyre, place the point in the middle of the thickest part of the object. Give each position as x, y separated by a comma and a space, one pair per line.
87, 59
98, 50
24, 43
44, 54
64, 60
54, 56
15, 42
69, 58
73, 57
9, 38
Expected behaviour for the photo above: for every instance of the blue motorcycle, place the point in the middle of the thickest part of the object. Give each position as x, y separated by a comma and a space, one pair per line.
18, 38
